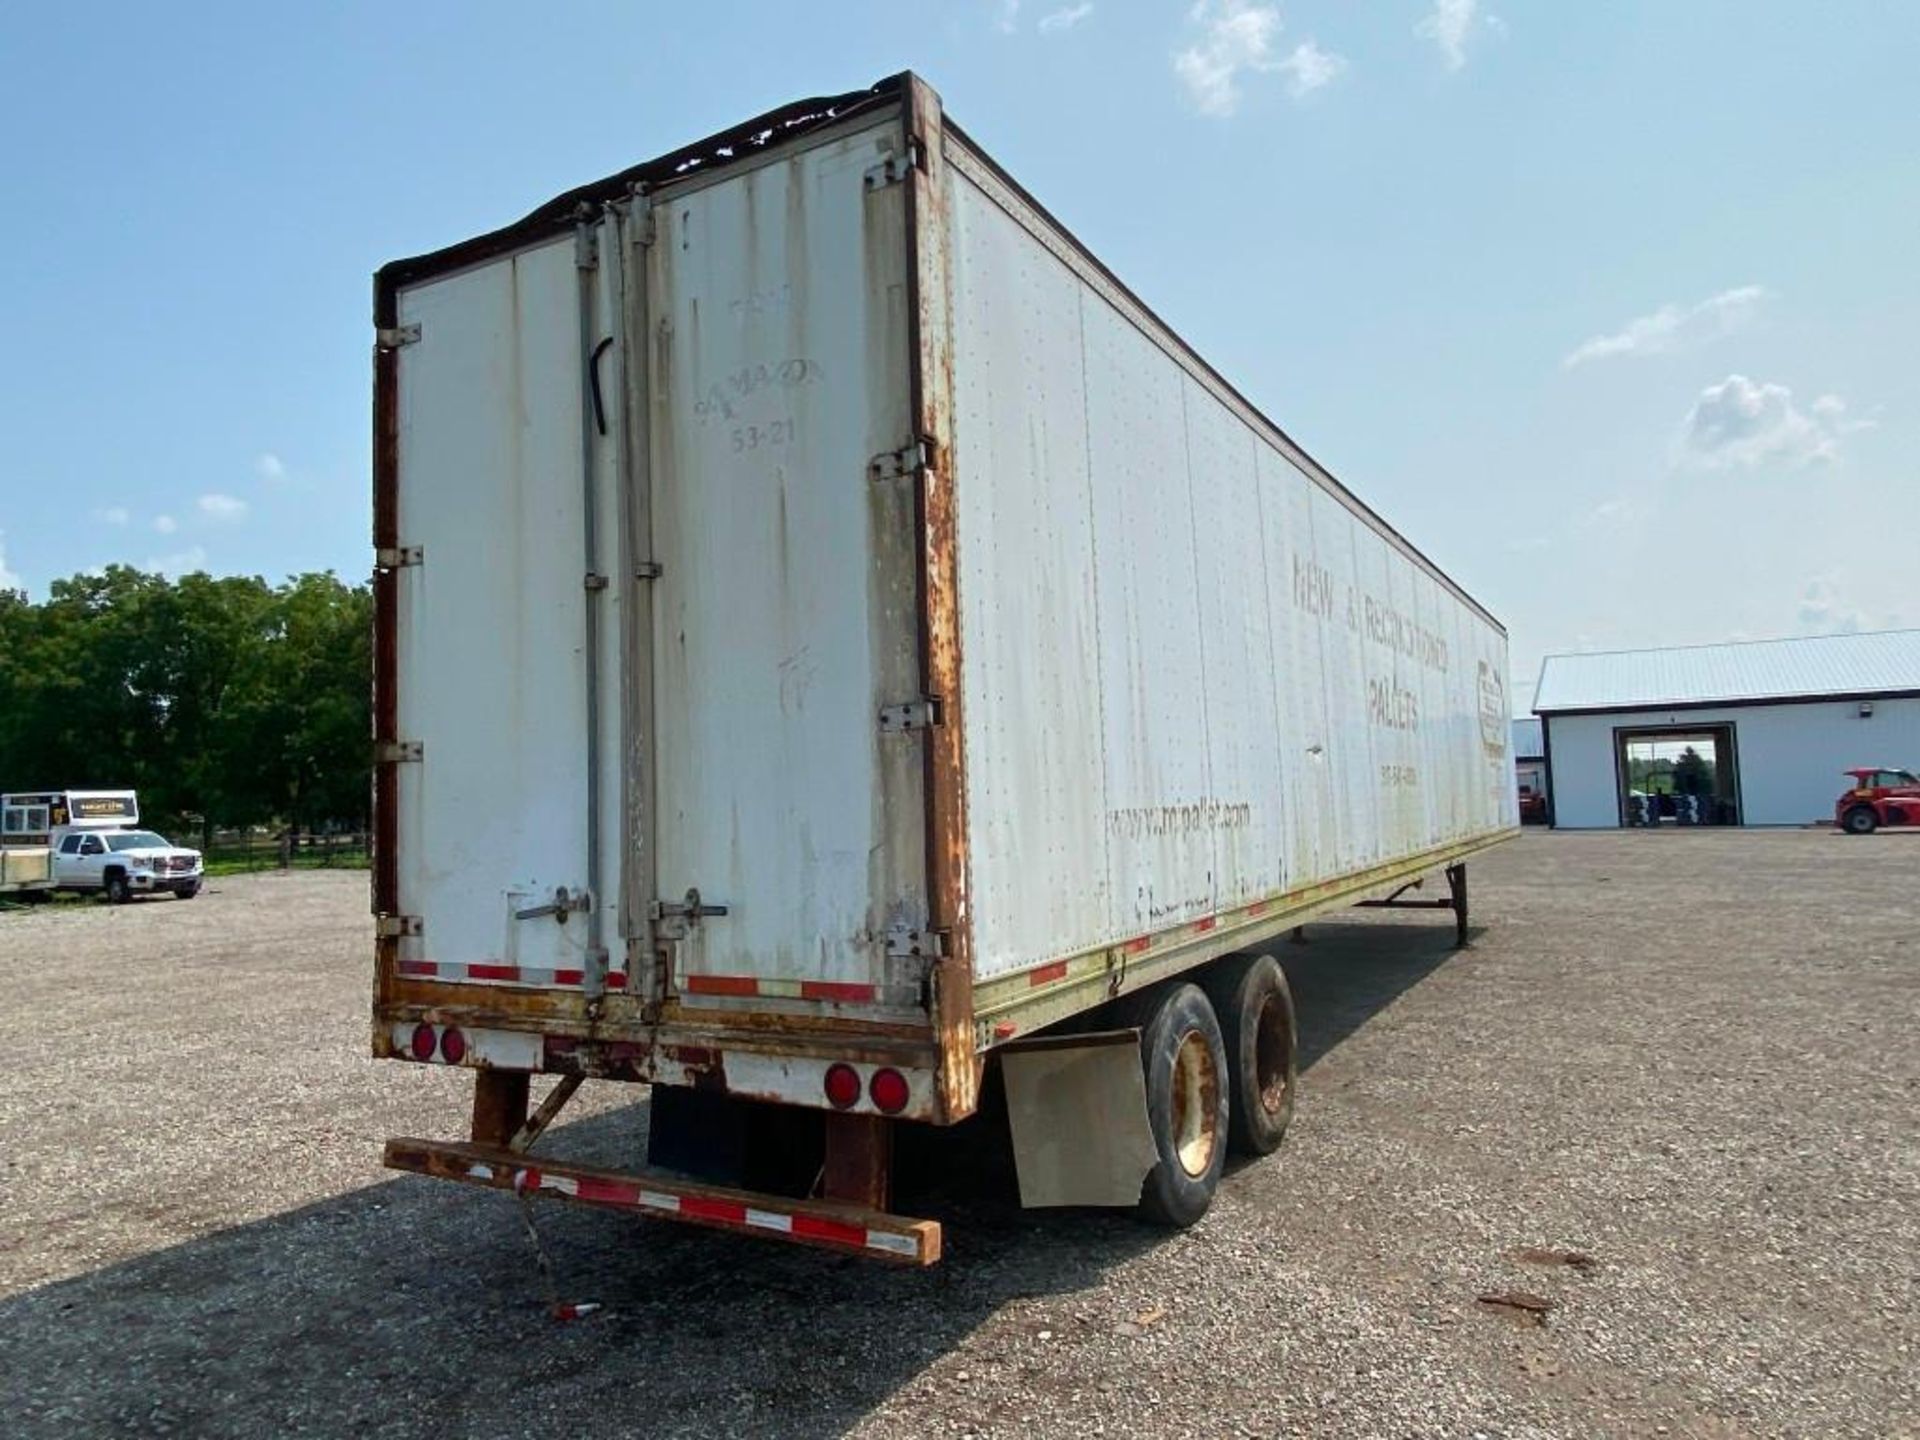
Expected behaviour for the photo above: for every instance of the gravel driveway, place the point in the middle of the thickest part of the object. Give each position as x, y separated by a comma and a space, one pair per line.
1669, 1094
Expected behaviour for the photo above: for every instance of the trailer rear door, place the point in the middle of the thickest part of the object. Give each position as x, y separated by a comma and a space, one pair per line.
491, 578
785, 617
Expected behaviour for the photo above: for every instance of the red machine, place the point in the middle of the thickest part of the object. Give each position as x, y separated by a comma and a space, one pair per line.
1879, 797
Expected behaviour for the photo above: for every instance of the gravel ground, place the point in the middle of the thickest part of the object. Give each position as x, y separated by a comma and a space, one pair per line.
1688, 1057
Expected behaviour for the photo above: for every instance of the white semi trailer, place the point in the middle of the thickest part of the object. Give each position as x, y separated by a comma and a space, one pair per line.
834, 641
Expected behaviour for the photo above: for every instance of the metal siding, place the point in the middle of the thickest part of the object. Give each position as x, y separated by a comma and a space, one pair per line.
785, 615
490, 632
1790, 757
1244, 760
1300, 670
1349, 740
1152, 687
1036, 777
1219, 691
1746, 670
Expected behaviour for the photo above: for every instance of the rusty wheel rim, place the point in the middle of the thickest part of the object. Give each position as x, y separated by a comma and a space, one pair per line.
1196, 1104
1272, 1052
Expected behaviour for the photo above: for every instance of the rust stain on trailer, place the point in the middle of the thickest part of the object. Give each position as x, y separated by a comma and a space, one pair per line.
932, 359
386, 525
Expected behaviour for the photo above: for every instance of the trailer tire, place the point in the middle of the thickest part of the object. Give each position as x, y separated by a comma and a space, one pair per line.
1185, 1062
118, 891
1860, 820
1255, 1007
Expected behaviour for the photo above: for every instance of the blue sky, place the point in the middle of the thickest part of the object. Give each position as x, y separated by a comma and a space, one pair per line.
1611, 309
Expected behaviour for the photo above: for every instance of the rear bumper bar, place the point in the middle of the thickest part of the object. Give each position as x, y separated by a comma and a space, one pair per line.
823, 1223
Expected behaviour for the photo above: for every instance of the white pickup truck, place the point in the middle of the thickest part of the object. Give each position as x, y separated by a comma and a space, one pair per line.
125, 863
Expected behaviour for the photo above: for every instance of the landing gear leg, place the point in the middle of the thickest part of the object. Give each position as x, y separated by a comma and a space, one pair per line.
1457, 889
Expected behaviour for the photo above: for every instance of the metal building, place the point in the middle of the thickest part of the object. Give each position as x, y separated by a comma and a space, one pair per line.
1751, 733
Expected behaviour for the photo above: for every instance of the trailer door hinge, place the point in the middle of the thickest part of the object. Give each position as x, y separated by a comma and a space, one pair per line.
397, 752
648, 570
904, 942
396, 927
394, 557
922, 454
596, 581
896, 167
392, 337
921, 714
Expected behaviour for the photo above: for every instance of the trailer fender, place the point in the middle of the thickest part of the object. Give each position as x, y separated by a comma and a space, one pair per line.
1077, 1109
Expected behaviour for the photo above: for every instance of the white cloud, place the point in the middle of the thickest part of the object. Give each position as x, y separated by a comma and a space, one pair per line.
270, 466
1613, 512
221, 507
1065, 18
165, 524
1309, 68
1448, 26
180, 562
113, 515
1238, 36
1673, 327
9, 579
1742, 422
1824, 612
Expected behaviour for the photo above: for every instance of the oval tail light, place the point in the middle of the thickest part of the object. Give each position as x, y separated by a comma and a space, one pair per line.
889, 1090
842, 1086
453, 1046
423, 1041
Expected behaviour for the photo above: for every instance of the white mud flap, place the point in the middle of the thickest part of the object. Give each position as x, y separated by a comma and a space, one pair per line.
1077, 1107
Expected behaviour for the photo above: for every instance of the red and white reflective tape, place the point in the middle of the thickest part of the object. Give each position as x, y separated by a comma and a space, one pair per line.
757, 987
485, 974
708, 1209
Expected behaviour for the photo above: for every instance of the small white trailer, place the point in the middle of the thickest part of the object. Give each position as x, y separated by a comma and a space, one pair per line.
832, 642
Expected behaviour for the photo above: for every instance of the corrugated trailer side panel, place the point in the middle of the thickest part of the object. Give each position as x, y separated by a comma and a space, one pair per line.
1196, 676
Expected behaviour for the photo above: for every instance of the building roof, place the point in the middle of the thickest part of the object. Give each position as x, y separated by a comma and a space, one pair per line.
1527, 744
1827, 667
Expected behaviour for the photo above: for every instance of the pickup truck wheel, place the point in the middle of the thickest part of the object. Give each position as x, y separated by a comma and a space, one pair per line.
1255, 1007
118, 891
1186, 1074
1860, 820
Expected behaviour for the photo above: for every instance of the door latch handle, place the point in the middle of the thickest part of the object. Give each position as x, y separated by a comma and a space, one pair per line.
691, 910
564, 902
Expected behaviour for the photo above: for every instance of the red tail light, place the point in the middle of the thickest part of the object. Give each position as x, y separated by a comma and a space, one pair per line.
889, 1091
423, 1041
843, 1086
453, 1046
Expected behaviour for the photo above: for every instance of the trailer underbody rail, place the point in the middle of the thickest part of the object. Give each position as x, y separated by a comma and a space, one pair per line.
826, 1224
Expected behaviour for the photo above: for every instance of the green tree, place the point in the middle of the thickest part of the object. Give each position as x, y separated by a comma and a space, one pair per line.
1692, 773
224, 701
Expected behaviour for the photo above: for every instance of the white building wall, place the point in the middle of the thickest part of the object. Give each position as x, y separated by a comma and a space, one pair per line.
1790, 756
